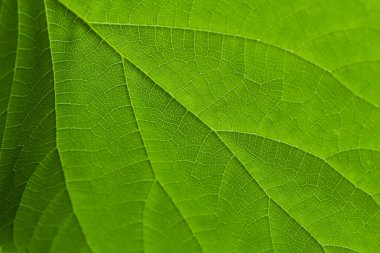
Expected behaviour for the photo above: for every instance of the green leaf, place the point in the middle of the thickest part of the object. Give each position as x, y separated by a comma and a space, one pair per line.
8, 44
189, 126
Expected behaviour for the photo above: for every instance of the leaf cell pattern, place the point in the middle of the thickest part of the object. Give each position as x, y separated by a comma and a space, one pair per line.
189, 126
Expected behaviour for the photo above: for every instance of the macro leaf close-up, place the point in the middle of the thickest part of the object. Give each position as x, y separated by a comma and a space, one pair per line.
190, 126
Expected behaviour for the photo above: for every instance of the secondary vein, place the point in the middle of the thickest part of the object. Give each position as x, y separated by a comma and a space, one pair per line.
330, 72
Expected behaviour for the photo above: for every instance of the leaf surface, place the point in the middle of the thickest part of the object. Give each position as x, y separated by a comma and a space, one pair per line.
203, 126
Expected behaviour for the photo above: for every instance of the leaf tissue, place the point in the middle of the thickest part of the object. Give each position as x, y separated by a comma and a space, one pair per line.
190, 126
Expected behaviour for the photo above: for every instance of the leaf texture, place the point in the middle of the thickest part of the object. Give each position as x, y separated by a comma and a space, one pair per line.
190, 126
